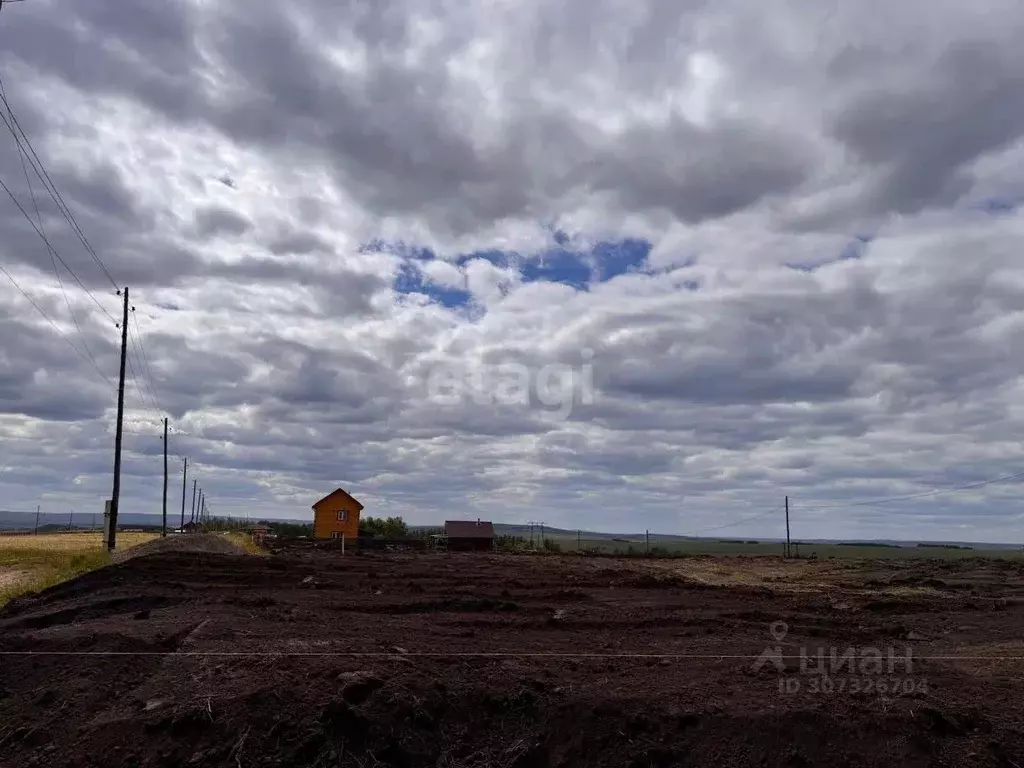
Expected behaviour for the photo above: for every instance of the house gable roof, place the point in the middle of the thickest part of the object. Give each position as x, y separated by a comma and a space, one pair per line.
334, 493
469, 529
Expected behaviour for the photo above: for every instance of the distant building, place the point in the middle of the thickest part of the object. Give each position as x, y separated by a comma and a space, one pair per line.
259, 533
469, 536
190, 527
336, 515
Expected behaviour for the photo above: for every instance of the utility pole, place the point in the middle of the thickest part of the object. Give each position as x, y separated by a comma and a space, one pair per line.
115, 496
540, 525
71, 520
788, 545
184, 489
192, 516
37, 520
163, 532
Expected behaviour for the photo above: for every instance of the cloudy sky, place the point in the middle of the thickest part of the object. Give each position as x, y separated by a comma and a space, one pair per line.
612, 265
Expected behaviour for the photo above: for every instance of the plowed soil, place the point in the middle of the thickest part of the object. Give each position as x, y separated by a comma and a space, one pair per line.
308, 658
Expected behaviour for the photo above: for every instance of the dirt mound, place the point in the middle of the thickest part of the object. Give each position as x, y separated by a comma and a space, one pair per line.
190, 542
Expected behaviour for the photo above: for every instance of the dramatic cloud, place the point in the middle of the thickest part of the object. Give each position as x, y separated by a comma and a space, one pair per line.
616, 265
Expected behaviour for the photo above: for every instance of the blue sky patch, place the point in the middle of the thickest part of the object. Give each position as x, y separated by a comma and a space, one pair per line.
502, 259
558, 266
398, 248
852, 251
620, 258
565, 264
410, 279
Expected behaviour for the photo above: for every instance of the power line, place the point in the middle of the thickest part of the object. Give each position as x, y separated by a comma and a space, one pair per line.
48, 183
52, 249
53, 262
920, 495
55, 326
142, 399
138, 387
145, 359
734, 523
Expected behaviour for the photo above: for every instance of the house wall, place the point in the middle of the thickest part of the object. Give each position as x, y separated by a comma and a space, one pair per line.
470, 545
326, 522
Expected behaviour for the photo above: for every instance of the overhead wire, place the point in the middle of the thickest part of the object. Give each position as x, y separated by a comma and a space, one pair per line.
141, 348
734, 523
48, 183
53, 250
53, 261
912, 496
56, 327
28, 152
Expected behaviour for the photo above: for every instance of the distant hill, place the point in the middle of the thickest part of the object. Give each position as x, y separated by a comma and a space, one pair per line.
17, 520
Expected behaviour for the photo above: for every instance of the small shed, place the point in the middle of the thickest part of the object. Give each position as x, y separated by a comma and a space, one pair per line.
469, 536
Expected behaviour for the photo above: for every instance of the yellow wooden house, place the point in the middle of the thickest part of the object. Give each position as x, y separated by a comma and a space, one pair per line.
336, 515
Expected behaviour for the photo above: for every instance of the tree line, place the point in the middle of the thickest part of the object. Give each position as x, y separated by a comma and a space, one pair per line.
369, 527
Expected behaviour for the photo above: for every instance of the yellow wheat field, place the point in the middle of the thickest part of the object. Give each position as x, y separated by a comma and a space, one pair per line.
72, 542
32, 563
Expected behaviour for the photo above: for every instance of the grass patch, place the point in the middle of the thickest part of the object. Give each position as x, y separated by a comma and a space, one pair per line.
80, 541
34, 563
39, 569
245, 541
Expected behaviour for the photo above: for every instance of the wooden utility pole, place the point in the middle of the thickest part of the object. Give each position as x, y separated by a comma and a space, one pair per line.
163, 532
184, 490
578, 544
192, 516
789, 551
115, 496
647, 542
37, 520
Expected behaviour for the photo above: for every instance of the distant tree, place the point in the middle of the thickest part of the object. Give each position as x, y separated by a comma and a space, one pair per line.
551, 545
511, 543
290, 530
389, 527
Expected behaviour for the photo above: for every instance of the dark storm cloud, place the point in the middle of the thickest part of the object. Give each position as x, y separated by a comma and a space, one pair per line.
146, 51
213, 221
338, 292
921, 134
702, 174
297, 242
389, 135
37, 366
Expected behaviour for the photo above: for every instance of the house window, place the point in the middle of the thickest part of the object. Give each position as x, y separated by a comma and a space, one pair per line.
337, 535
343, 516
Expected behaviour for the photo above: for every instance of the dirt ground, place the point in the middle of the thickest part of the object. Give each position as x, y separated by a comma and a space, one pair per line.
308, 658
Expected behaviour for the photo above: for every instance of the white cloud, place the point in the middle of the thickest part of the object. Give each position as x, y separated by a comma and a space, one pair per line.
230, 161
